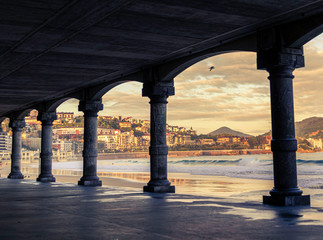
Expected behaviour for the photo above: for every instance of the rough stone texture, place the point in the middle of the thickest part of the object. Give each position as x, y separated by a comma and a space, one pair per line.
90, 153
50, 50
16, 126
46, 154
158, 149
284, 144
32, 211
287, 200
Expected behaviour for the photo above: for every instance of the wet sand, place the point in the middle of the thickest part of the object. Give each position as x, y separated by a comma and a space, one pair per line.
232, 189
32, 210
239, 197
185, 183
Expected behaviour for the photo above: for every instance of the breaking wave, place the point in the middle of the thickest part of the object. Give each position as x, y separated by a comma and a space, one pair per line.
310, 166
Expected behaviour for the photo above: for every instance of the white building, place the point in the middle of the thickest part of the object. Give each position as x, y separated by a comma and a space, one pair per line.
315, 143
5, 142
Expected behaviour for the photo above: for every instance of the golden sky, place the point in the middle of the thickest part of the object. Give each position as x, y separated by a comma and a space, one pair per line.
235, 94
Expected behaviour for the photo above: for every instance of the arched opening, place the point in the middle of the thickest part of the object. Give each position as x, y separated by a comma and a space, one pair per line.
5, 146
308, 104
232, 94
30, 143
308, 82
222, 90
67, 140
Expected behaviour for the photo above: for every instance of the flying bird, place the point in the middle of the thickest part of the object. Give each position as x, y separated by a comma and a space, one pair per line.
211, 68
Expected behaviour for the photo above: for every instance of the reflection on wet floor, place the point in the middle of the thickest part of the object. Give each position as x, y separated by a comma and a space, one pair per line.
234, 196
185, 183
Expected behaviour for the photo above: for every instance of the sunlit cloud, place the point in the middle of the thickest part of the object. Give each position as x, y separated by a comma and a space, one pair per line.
234, 94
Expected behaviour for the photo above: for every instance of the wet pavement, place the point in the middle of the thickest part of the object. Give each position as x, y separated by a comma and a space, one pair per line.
31, 210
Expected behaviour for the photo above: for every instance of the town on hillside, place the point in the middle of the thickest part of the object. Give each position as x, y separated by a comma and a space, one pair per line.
118, 134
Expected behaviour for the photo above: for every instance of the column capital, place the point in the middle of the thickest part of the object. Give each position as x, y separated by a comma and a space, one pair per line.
279, 57
47, 118
17, 124
91, 107
160, 89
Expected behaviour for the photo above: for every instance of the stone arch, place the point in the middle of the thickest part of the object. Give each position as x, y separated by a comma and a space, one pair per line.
2, 119
96, 92
21, 114
181, 66
175, 70
52, 105
302, 31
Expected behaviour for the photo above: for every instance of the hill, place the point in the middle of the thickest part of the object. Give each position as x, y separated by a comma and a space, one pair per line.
226, 130
309, 125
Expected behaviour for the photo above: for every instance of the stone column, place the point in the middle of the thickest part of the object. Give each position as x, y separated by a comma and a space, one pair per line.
90, 152
158, 149
16, 126
46, 154
280, 65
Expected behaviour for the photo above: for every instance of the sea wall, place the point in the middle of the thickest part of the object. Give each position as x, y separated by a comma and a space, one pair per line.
107, 156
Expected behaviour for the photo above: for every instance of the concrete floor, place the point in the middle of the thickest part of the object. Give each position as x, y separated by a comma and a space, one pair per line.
29, 210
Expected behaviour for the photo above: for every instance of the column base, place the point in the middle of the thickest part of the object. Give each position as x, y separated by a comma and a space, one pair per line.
46, 179
90, 182
16, 176
160, 189
287, 200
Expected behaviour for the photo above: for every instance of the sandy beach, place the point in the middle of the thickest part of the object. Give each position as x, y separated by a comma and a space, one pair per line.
233, 189
203, 206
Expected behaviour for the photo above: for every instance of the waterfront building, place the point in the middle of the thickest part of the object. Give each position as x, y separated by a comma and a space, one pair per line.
62, 156
222, 140
32, 142
69, 130
26, 156
178, 140
65, 115
106, 131
146, 123
126, 139
110, 141
106, 117
207, 141
315, 143
5, 142
235, 139
138, 141
29, 156
188, 140
142, 129
125, 125
77, 146
170, 139
5, 156
62, 145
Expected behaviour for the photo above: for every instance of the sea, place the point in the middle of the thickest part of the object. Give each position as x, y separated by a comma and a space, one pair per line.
258, 166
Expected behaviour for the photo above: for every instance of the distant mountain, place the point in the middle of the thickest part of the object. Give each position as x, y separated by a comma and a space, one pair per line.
308, 126
226, 130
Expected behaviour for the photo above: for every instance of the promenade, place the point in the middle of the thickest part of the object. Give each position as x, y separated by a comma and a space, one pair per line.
31, 210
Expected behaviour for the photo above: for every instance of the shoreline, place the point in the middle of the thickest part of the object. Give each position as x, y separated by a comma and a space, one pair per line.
185, 183
195, 153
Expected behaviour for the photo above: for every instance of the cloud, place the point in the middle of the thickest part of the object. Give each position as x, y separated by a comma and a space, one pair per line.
234, 94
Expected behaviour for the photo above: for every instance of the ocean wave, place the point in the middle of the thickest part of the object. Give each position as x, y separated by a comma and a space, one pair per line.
192, 162
317, 162
249, 166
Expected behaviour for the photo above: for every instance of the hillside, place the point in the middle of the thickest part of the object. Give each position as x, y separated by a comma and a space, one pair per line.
309, 125
226, 130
